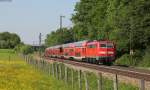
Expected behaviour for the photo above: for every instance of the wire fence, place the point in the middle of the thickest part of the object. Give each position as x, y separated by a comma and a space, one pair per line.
77, 79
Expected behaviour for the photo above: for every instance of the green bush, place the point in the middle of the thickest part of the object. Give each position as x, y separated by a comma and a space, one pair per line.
129, 60
146, 59
123, 60
24, 49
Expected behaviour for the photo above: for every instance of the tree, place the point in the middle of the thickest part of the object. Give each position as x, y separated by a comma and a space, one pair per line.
126, 22
9, 40
59, 37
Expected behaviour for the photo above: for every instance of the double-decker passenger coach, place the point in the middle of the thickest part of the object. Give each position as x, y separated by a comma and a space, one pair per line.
87, 51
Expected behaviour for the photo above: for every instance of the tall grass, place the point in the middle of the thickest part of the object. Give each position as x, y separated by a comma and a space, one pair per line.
92, 81
15, 74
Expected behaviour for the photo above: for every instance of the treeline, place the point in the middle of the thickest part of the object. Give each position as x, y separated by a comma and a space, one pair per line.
126, 22
12, 41
9, 40
59, 37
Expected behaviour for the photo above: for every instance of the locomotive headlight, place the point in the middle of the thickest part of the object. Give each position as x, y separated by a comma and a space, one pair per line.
102, 52
110, 52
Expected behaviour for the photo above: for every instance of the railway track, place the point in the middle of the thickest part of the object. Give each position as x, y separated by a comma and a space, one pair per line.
124, 71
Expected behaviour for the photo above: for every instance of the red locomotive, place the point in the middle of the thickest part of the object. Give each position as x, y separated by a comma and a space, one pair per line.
87, 51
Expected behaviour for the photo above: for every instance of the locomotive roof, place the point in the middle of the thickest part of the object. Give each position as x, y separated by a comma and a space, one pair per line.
58, 46
80, 43
106, 41
65, 45
95, 41
75, 44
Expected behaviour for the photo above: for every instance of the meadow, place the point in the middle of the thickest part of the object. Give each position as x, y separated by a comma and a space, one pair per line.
15, 74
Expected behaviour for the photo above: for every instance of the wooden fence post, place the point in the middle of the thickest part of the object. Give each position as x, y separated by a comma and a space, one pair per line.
99, 81
27, 59
142, 85
60, 71
46, 67
53, 73
72, 78
79, 78
43, 65
86, 81
30, 60
49, 70
33, 63
115, 82
40, 65
66, 74
37, 65
56, 67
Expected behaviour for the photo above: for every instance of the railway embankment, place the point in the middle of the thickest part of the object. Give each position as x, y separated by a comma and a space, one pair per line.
126, 77
137, 77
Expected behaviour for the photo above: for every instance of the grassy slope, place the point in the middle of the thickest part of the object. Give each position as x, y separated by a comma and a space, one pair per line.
16, 75
92, 81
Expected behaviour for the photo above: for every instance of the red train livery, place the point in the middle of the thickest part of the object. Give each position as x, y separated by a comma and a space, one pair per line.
87, 51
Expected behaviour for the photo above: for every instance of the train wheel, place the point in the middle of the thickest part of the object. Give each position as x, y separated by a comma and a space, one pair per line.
83, 59
94, 60
97, 62
71, 58
104, 62
88, 60
109, 63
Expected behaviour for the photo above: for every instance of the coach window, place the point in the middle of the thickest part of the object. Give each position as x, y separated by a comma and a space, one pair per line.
71, 50
103, 45
91, 46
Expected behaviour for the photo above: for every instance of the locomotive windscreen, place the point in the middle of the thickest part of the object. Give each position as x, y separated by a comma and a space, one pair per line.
107, 45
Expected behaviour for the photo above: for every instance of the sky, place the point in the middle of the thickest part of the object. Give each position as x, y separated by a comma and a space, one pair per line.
28, 18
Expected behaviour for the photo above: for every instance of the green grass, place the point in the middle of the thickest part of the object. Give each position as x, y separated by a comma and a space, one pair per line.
15, 74
92, 82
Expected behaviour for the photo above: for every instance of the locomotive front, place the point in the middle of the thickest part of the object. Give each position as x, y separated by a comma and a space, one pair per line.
106, 51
